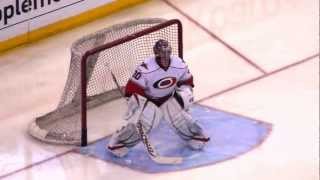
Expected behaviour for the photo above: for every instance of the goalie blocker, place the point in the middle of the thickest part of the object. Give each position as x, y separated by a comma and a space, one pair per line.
166, 83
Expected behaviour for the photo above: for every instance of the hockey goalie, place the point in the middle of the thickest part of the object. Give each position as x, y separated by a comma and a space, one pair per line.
160, 88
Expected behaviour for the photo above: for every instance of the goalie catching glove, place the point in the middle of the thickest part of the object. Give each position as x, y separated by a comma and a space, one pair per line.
184, 96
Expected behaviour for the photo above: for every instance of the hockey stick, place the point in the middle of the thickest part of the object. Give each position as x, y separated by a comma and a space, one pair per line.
153, 154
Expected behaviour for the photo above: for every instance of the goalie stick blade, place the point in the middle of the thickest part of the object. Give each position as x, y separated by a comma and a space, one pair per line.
167, 160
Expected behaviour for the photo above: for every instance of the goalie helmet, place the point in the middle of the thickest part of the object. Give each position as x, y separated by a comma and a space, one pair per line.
162, 51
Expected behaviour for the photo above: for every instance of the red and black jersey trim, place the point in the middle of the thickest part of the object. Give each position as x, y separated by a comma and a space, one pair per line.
188, 82
133, 88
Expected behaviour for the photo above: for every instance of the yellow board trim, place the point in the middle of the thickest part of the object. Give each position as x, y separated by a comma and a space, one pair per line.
66, 24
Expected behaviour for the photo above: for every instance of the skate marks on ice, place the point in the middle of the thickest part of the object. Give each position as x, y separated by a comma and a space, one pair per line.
231, 135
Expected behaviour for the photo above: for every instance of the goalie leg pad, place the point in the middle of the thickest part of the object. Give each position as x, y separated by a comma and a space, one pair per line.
128, 136
123, 139
150, 116
186, 127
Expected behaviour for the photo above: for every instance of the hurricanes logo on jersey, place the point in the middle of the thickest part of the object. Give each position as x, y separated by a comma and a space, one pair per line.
165, 83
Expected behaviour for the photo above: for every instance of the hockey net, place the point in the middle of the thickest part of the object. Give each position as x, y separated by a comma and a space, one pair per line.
119, 48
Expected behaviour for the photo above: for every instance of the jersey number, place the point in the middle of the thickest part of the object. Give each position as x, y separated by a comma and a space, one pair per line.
136, 75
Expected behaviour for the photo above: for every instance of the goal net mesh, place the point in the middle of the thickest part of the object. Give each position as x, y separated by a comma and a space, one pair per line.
63, 125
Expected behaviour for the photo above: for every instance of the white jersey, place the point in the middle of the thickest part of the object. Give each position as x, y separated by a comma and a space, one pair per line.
157, 82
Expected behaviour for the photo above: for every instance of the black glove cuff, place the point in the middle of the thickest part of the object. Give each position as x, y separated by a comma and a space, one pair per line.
179, 99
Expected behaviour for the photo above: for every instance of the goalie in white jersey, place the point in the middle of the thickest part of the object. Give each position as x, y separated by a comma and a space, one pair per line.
165, 83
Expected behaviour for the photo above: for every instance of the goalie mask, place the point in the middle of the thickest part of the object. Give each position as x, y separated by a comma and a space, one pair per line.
162, 51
